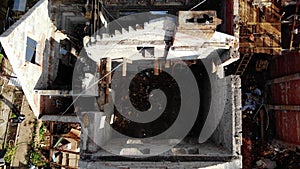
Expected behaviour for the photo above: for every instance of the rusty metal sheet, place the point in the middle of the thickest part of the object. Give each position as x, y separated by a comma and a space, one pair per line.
287, 64
286, 93
287, 126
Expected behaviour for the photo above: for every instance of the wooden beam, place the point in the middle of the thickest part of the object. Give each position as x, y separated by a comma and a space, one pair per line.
167, 64
65, 136
108, 78
264, 23
294, 25
267, 50
51, 140
284, 107
124, 67
156, 67
160, 67
284, 79
61, 150
262, 126
257, 45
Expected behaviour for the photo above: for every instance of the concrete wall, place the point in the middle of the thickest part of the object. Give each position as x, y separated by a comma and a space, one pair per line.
35, 24
66, 16
234, 164
229, 131
95, 129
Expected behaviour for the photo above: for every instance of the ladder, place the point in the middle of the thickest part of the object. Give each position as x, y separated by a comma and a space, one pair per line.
243, 64
294, 25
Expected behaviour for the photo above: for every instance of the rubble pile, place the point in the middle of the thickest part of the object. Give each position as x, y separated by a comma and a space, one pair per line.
278, 157
140, 95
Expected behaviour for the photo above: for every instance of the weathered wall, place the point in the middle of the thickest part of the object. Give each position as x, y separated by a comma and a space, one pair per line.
228, 132
36, 25
234, 164
95, 129
287, 94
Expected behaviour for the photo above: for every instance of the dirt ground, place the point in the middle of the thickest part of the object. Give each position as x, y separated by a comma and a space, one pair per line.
17, 134
24, 135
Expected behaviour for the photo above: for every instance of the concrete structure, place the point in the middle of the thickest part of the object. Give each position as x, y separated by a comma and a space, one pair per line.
31, 45
37, 60
193, 41
38, 56
227, 134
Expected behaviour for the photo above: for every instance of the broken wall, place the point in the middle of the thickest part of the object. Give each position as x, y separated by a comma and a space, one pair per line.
30, 45
229, 131
34, 24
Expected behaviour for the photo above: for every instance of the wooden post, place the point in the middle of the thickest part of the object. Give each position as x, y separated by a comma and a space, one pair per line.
108, 78
167, 64
294, 25
262, 128
160, 67
124, 67
51, 140
156, 67
95, 6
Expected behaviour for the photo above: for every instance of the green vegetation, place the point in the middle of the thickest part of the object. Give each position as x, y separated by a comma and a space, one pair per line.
42, 133
36, 158
10, 153
1, 59
13, 115
34, 155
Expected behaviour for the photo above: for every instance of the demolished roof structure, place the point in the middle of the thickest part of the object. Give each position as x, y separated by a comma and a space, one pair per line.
33, 46
37, 39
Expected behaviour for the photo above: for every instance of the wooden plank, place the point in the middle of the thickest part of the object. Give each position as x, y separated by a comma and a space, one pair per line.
264, 23
284, 79
156, 67
267, 50
284, 107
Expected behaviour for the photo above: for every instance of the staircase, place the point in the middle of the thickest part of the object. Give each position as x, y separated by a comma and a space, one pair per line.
123, 42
